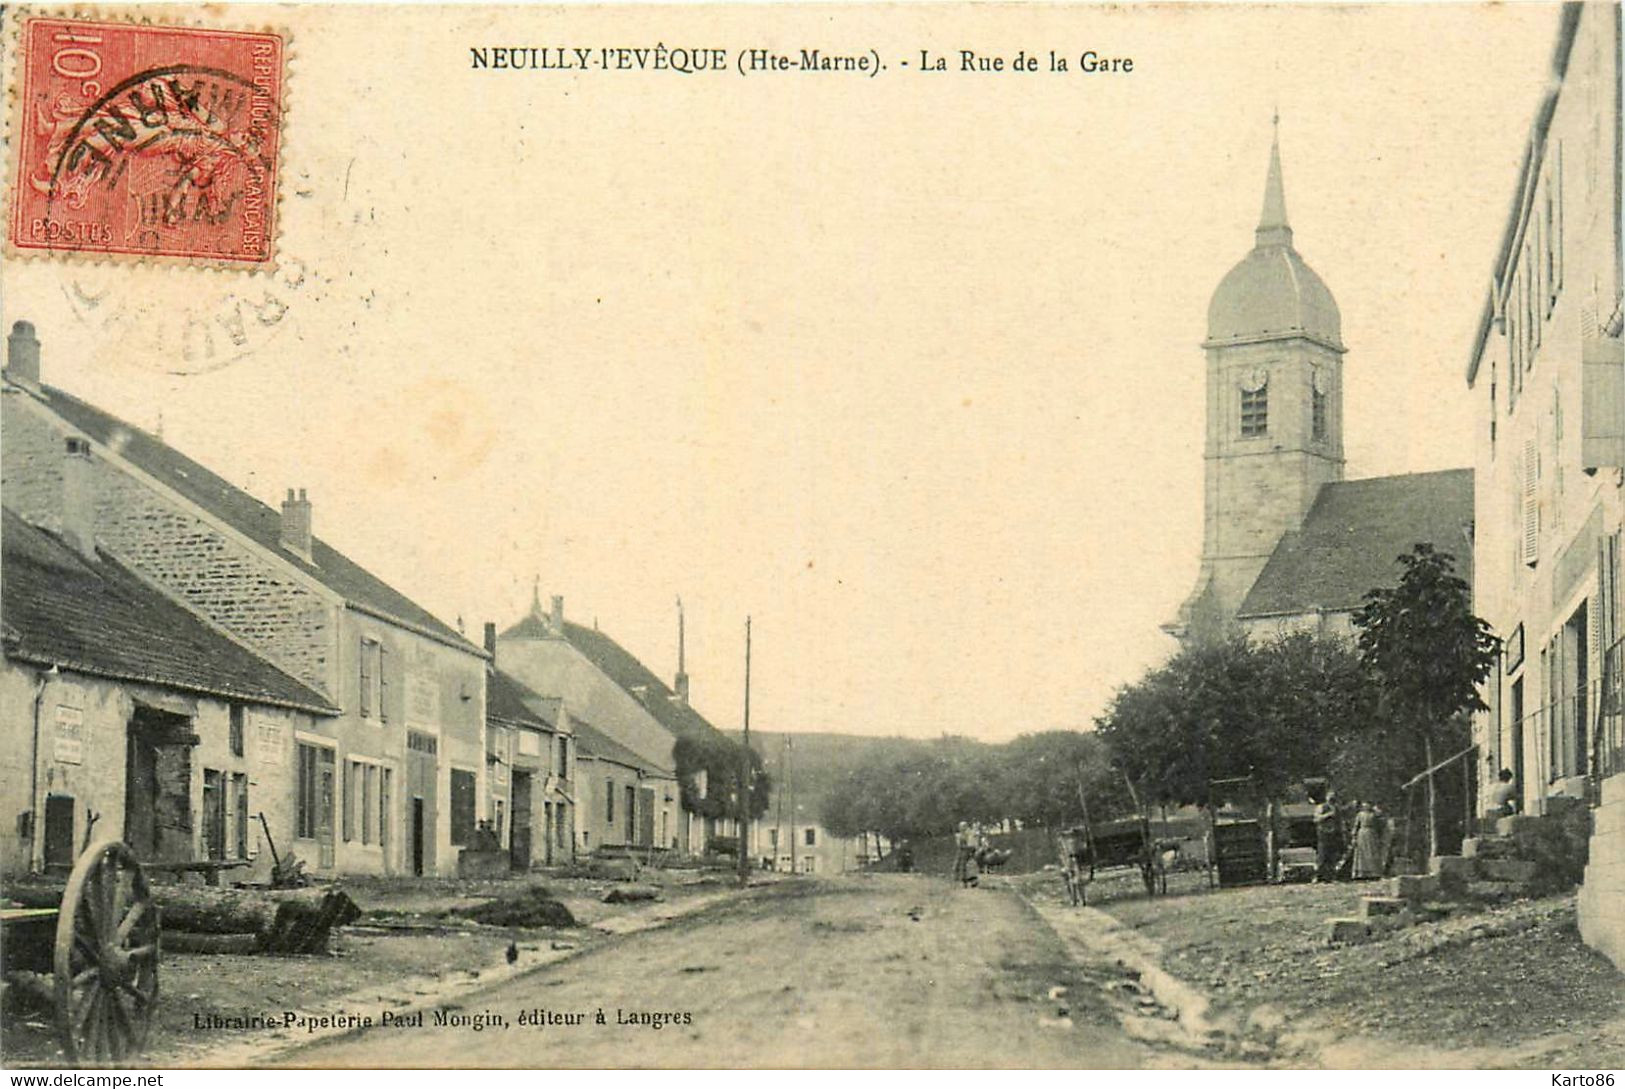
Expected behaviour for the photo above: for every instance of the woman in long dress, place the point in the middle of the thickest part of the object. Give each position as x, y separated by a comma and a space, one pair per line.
1367, 844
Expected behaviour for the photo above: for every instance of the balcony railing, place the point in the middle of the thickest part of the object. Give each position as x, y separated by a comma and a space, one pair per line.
1552, 736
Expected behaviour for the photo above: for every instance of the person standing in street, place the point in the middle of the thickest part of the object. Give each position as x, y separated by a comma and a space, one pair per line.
1328, 838
964, 849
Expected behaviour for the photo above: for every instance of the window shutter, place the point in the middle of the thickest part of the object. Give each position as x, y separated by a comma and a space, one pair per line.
1531, 503
347, 788
366, 679
383, 683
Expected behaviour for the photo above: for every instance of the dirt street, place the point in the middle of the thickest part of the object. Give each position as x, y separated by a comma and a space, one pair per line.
877, 971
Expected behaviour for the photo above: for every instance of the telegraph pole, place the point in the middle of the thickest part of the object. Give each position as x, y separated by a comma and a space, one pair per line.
745, 775
790, 787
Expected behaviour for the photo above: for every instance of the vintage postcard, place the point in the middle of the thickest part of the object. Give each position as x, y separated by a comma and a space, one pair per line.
881, 536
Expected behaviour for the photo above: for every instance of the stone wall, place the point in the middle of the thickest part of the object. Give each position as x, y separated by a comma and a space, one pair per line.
269, 610
1602, 897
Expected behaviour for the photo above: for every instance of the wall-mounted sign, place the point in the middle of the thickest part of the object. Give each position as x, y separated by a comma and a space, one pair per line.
1514, 650
268, 742
69, 746
423, 703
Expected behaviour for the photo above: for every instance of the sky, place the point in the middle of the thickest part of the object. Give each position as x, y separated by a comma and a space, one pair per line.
906, 369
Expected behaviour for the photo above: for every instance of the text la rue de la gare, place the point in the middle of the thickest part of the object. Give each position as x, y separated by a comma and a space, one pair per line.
684, 60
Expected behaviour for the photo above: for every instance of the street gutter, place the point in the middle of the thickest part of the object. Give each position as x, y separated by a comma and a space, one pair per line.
433, 992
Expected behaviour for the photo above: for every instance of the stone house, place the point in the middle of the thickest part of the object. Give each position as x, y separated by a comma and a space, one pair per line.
124, 708
625, 800
795, 842
1547, 373
528, 752
395, 781
626, 703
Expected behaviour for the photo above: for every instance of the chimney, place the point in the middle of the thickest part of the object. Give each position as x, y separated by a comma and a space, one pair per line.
558, 614
681, 686
22, 354
491, 639
296, 525
79, 498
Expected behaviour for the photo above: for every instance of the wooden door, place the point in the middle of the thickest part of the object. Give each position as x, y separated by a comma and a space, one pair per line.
141, 797
646, 817
519, 851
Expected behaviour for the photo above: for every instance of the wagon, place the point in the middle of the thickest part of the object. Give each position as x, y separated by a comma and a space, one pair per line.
94, 959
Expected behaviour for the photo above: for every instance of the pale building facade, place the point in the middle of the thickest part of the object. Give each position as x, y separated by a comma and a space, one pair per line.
123, 714
392, 784
1547, 372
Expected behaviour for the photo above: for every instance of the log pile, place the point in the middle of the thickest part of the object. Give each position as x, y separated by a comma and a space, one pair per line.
209, 920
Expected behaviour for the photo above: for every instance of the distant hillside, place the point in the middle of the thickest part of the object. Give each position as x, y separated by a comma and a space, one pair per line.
816, 761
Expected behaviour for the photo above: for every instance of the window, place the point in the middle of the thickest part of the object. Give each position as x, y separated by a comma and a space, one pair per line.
383, 806
773, 838
374, 684
564, 758
364, 693
462, 807
609, 801
1255, 411
347, 794
314, 800
812, 837
363, 814
809, 864
236, 729
1317, 414
369, 803
631, 802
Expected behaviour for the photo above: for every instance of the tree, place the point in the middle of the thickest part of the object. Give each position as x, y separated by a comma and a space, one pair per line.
1269, 713
1049, 778
1428, 654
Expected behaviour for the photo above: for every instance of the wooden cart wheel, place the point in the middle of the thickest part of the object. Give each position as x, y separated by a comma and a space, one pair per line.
106, 957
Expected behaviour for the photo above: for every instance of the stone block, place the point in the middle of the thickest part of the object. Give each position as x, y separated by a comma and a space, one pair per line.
1512, 870
1489, 847
1414, 886
1347, 931
1452, 870
1518, 822
1372, 907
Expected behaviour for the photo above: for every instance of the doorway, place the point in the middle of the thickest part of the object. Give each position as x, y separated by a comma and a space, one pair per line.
59, 850
416, 836
519, 849
158, 785
1517, 738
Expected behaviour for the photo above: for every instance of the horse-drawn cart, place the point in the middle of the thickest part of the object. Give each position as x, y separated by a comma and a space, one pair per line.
94, 959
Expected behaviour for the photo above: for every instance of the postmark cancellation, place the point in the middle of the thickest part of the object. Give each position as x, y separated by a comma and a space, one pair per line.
135, 141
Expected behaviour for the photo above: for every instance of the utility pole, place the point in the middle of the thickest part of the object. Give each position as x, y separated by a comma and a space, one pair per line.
745, 775
790, 786
778, 829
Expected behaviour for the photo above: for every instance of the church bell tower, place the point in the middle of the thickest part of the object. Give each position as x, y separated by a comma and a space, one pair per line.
1274, 411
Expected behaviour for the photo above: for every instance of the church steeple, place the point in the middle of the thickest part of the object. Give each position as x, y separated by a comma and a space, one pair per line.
1273, 229
1274, 410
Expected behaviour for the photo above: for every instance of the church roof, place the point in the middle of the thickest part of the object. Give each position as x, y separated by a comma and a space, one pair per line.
1272, 294
1352, 537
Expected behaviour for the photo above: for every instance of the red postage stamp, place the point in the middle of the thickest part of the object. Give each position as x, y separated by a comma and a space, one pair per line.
147, 141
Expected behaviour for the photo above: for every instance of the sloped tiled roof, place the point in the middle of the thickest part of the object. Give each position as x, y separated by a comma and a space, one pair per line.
99, 618
506, 701
1352, 537
245, 514
639, 682
591, 741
